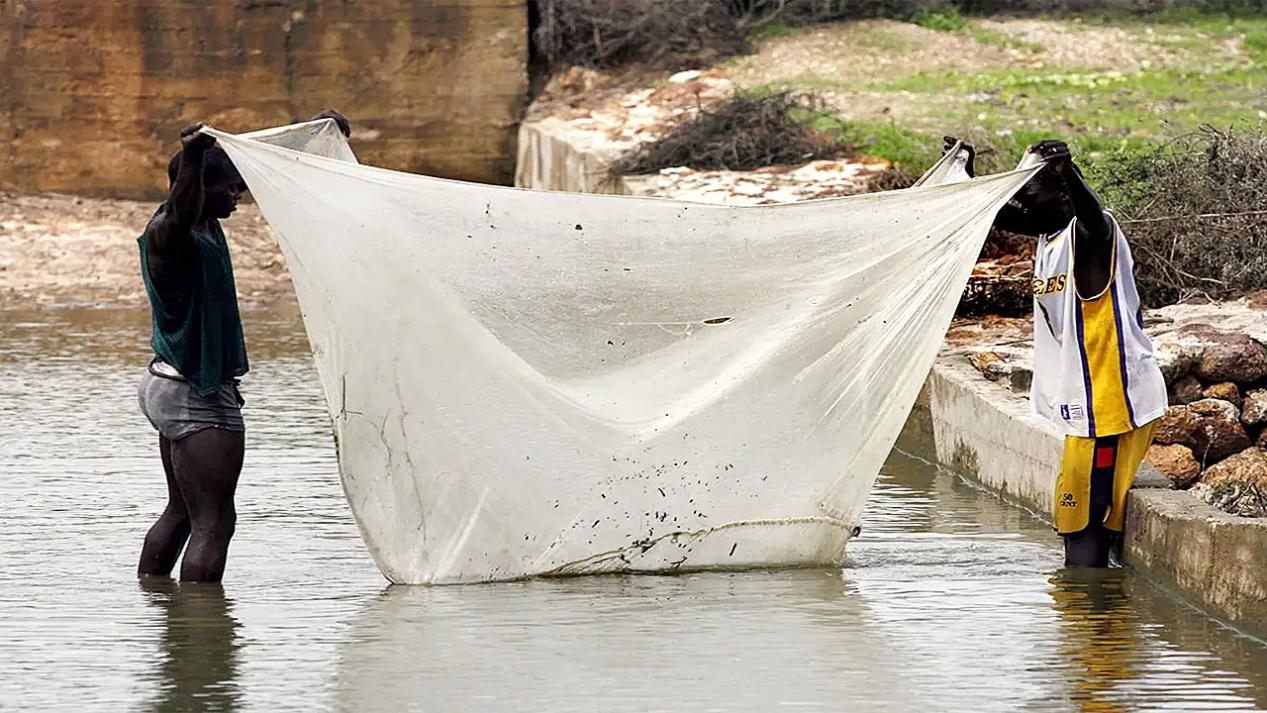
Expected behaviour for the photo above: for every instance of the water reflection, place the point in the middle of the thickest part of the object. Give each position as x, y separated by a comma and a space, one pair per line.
198, 646
948, 601
715, 642
1121, 656
1099, 635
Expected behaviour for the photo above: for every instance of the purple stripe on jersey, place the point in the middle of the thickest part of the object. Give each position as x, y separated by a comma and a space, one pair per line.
1086, 368
1121, 353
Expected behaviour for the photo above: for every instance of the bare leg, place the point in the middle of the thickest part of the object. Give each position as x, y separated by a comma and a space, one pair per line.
167, 535
207, 465
1090, 547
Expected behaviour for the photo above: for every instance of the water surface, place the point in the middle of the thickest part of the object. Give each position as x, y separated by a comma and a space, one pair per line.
951, 600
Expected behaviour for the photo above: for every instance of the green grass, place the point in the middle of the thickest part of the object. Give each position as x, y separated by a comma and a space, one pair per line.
946, 19
1193, 81
994, 38
1255, 44
1185, 19
774, 29
909, 149
1098, 110
949, 19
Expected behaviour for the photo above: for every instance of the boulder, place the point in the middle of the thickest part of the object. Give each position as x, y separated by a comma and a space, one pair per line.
1215, 408
1176, 426
1177, 357
1254, 407
1219, 432
1261, 442
1232, 357
1238, 484
1224, 390
1176, 463
1186, 390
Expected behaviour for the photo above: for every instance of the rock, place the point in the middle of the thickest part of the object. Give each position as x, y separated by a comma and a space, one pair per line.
1176, 463
990, 364
1233, 357
1248, 465
1148, 477
1262, 439
1237, 485
998, 370
1219, 432
1215, 408
1224, 390
1176, 359
1254, 408
1186, 390
1022, 379
1176, 426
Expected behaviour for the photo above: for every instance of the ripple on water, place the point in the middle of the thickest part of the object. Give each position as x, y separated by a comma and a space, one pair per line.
950, 600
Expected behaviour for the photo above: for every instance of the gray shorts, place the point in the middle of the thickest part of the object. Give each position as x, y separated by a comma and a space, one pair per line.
176, 410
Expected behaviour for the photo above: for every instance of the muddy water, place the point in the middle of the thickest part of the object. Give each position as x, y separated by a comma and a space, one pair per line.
951, 600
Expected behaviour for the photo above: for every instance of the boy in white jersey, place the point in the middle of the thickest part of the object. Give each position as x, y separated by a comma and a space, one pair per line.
1095, 378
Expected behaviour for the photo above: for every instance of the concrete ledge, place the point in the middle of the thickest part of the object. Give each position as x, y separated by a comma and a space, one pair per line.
1214, 559
984, 431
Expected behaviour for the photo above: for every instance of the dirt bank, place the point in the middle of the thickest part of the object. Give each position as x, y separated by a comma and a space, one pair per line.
60, 251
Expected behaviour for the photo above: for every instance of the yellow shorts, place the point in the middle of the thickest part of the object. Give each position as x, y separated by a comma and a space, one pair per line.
1082, 457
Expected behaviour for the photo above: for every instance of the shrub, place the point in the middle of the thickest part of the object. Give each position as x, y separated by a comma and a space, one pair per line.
608, 33
744, 133
1195, 211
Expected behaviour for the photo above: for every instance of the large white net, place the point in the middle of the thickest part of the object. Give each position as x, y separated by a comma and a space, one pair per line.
526, 383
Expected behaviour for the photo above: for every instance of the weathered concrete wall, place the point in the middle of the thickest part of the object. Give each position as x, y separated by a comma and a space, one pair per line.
93, 94
550, 158
1210, 557
984, 431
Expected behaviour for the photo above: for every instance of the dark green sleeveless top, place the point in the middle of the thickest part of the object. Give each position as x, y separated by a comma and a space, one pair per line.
199, 331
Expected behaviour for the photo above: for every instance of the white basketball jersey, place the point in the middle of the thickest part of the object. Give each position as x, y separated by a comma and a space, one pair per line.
1094, 371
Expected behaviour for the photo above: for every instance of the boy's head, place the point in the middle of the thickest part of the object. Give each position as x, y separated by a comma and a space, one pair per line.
222, 184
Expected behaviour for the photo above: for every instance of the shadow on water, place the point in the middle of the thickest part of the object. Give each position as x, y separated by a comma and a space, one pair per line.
199, 647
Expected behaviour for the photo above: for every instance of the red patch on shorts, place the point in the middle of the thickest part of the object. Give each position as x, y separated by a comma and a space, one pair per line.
1104, 457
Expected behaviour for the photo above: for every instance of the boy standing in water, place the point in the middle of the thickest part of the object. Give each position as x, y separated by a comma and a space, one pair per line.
1095, 377
190, 390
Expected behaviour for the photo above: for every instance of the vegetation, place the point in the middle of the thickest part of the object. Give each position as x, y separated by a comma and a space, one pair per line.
1196, 213
749, 131
1169, 123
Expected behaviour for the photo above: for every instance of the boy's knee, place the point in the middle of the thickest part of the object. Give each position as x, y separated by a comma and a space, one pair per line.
218, 525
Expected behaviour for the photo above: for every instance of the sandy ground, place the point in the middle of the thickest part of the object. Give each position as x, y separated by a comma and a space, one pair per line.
64, 251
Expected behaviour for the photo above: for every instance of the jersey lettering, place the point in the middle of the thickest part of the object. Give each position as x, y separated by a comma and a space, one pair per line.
1049, 286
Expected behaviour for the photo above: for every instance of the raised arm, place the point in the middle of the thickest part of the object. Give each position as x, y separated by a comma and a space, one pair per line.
1092, 222
185, 199
1094, 244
